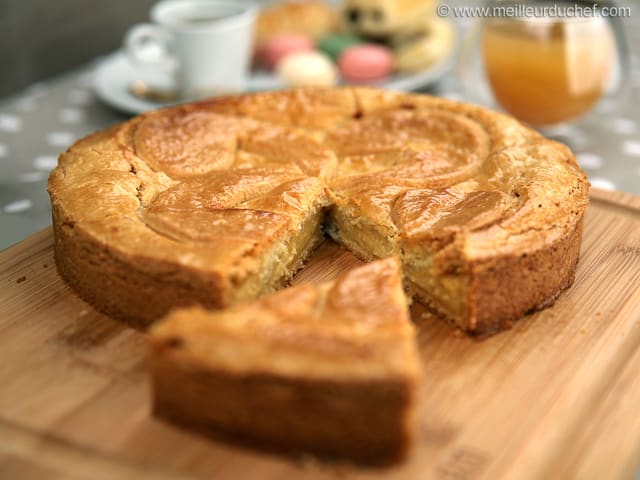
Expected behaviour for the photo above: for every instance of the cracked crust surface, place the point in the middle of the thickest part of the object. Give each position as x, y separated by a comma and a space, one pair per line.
205, 203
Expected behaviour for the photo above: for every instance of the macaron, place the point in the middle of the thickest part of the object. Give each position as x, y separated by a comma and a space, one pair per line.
366, 63
276, 48
334, 45
302, 69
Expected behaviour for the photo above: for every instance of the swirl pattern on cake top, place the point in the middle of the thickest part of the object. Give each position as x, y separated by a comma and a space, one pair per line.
222, 201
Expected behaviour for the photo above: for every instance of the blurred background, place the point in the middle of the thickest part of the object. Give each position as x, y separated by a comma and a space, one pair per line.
65, 75
41, 38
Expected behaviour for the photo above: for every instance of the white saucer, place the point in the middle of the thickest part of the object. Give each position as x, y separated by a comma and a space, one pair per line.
114, 75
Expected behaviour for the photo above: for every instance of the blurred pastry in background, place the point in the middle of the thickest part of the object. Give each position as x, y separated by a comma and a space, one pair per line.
385, 18
410, 28
314, 18
426, 46
357, 41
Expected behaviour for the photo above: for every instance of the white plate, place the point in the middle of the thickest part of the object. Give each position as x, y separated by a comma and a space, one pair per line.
114, 75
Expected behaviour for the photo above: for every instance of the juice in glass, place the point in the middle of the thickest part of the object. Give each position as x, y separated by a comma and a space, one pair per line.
547, 71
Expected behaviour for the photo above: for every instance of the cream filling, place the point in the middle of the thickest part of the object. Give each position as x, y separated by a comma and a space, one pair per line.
446, 294
366, 240
283, 260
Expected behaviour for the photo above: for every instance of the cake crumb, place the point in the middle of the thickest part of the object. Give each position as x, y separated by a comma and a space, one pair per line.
21, 279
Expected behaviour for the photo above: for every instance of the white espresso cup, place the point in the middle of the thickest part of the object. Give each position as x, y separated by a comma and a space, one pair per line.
205, 44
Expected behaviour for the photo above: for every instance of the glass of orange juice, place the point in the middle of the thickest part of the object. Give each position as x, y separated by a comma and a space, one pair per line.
545, 63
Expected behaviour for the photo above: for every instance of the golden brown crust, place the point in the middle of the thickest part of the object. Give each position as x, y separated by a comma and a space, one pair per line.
358, 321
140, 248
220, 202
511, 286
461, 193
330, 370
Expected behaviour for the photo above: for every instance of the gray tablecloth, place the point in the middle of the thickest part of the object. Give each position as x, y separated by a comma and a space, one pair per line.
42, 121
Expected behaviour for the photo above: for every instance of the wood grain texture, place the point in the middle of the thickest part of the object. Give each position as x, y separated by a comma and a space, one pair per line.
555, 397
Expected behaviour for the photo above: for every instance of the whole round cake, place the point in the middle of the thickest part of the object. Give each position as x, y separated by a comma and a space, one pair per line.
221, 202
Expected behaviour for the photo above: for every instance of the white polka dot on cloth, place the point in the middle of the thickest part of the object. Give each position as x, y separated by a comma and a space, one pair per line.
4, 150
71, 115
624, 126
631, 148
589, 160
31, 177
576, 140
60, 139
10, 123
45, 162
565, 130
79, 97
25, 104
606, 106
602, 183
18, 206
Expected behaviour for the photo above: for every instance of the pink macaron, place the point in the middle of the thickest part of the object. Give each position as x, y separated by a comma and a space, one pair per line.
279, 46
366, 63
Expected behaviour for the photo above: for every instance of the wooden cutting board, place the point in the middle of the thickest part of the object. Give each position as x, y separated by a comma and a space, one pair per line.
555, 397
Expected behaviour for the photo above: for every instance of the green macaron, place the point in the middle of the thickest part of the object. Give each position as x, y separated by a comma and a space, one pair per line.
334, 45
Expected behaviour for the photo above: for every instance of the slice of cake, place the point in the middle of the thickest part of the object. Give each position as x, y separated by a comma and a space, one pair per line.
330, 370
